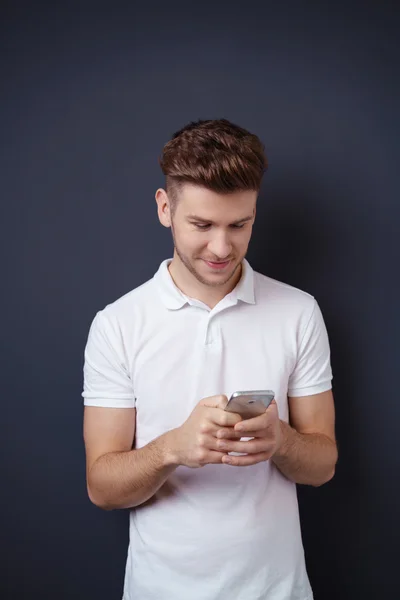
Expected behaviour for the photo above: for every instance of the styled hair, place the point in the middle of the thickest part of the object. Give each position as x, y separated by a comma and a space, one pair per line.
215, 154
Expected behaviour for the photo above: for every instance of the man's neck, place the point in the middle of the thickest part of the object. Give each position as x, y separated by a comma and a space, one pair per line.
191, 287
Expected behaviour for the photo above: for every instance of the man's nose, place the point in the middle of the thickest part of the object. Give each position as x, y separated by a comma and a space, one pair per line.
220, 246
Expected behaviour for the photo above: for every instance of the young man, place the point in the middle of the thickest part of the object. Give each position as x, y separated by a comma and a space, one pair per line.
160, 363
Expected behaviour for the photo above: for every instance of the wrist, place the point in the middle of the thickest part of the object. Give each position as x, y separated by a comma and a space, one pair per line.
168, 449
284, 436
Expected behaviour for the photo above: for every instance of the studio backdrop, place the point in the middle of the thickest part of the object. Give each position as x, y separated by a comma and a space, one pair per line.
89, 97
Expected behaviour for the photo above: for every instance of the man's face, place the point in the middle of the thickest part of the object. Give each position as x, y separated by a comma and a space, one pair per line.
212, 231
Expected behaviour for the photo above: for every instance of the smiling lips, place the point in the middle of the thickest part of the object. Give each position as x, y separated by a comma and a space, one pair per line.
217, 265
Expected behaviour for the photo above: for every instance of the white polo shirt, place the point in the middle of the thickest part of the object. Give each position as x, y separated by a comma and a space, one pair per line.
218, 532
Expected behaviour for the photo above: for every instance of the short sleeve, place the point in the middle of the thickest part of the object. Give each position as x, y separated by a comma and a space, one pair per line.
312, 373
106, 381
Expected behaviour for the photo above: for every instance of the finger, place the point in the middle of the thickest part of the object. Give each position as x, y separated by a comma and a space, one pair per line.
205, 457
219, 401
255, 446
261, 422
224, 418
245, 461
208, 425
208, 442
229, 433
207, 451
214, 458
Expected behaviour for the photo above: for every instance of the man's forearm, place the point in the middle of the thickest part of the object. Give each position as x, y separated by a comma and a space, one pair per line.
127, 479
306, 458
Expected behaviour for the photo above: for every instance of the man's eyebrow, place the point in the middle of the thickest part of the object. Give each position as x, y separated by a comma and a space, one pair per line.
201, 220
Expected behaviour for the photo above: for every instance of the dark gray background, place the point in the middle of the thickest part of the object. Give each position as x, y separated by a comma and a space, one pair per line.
90, 94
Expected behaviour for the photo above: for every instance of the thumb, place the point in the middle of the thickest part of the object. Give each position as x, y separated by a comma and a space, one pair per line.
219, 401
273, 407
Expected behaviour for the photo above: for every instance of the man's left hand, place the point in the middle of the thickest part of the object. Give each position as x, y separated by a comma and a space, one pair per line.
267, 437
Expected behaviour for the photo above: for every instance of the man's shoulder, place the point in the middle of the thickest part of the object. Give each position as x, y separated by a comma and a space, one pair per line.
127, 305
269, 289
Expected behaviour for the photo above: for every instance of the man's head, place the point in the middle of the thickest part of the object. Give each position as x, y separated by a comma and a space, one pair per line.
213, 173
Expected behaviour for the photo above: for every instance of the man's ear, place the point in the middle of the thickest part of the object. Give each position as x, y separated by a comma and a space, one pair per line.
163, 207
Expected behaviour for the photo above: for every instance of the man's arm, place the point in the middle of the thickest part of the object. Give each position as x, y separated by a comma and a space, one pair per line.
308, 452
305, 451
117, 476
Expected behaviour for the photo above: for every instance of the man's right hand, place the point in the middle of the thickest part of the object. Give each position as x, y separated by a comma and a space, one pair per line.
194, 444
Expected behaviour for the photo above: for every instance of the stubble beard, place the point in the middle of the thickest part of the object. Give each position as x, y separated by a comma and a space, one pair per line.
191, 268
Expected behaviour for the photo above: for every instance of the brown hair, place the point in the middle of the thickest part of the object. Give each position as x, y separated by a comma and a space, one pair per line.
215, 154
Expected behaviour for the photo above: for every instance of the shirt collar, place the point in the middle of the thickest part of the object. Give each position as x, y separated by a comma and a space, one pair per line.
173, 298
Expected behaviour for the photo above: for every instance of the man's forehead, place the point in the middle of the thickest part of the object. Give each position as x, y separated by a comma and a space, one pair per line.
194, 193
203, 204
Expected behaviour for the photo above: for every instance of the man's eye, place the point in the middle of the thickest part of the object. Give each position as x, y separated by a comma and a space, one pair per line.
207, 226
201, 226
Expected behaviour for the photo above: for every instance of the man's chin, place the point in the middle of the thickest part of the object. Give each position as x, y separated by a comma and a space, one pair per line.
216, 277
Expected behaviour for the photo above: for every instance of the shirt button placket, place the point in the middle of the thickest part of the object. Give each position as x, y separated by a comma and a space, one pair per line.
208, 333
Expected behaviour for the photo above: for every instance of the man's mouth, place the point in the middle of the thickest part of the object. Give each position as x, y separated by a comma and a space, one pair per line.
217, 265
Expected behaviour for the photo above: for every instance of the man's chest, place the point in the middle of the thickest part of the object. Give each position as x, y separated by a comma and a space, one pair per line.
175, 367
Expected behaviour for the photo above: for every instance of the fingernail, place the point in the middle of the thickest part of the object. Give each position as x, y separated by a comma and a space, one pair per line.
227, 460
239, 427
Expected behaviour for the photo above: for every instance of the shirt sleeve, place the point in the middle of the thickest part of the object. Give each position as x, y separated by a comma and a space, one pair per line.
312, 373
106, 380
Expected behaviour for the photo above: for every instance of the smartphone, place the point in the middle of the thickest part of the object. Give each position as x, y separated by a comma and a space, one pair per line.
250, 404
